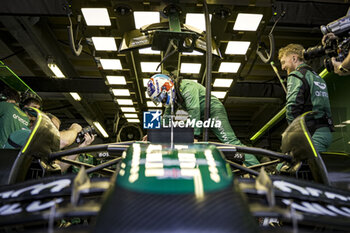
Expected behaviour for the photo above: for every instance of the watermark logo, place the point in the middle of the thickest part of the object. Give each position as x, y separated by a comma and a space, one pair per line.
151, 119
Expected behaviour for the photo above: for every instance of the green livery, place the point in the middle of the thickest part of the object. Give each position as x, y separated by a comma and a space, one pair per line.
156, 168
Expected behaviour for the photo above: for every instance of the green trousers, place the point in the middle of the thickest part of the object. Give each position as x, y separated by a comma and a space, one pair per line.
225, 132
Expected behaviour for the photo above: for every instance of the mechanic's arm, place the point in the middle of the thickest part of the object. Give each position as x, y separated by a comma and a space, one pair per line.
88, 140
67, 137
293, 107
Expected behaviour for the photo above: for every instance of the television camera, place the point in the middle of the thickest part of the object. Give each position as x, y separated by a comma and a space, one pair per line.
336, 45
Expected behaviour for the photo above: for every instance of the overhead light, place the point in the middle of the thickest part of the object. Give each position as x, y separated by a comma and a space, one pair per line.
192, 68
222, 82
100, 129
116, 80
150, 67
237, 47
128, 109
193, 53
196, 20
247, 22
219, 94
133, 120
111, 64
148, 50
339, 126
229, 67
75, 96
104, 43
121, 92
130, 115
143, 18
145, 82
346, 122
146, 94
151, 104
54, 68
125, 102
96, 16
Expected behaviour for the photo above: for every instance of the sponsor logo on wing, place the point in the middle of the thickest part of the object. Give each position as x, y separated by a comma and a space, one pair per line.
320, 85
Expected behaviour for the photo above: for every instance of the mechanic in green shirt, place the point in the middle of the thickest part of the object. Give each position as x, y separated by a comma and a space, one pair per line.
190, 96
12, 118
306, 91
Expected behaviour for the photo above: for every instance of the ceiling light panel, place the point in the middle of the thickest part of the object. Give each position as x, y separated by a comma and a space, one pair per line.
96, 16
196, 20
151, 104
146, 94
75, 96
148, 51
237, 47
221, 82
192, 68
229, 67
145, 82
247, 22
150, 67
128, 109
101, 129
219, 94
116, 80
143, 18
121, 92
104, 43
111, 64
130, 115
56, 70
193, 53
124, 101
133, 120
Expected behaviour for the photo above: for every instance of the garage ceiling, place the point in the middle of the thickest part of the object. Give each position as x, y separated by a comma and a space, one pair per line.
34, 32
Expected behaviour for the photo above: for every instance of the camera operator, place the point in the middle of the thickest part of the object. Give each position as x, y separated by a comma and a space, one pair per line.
306, 91
340, 68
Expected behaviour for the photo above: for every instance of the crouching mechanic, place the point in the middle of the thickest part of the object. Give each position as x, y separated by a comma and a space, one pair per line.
190, 96
306, 92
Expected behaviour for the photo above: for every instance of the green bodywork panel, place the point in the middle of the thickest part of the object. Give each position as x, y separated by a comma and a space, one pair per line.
156, 168
13, 81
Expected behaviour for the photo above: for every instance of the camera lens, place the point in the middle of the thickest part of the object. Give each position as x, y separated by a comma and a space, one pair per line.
313, 52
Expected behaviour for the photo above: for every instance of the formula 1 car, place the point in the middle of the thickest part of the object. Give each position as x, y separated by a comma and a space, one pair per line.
198, 187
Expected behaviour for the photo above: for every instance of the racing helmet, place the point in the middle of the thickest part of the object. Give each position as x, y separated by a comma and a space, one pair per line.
160, 88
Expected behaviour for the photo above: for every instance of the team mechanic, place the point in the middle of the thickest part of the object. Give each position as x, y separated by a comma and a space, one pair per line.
306, 91
190, 96
12, 118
